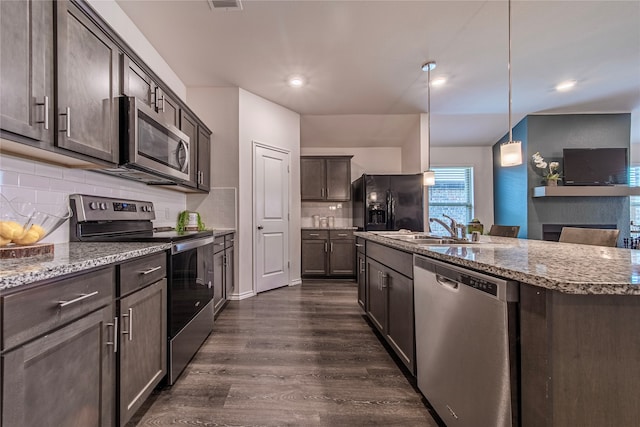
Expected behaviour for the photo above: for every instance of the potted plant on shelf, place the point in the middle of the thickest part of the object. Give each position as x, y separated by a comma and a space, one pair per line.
548, 170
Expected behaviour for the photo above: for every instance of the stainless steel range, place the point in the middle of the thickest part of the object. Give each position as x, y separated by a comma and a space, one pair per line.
190, 266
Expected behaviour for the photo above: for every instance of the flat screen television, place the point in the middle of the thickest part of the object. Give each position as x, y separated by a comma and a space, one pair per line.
595, 166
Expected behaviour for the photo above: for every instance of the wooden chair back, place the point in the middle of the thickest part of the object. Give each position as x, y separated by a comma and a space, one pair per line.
589, 236
504, 230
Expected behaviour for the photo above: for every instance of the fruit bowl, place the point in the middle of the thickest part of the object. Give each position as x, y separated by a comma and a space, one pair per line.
22, 224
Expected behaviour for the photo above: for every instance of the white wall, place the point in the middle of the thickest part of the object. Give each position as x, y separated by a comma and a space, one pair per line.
270, 124
124, 26
365, 159
481, 159
412, 152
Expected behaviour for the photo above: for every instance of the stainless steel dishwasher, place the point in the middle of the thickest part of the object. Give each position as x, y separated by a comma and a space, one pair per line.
465, 345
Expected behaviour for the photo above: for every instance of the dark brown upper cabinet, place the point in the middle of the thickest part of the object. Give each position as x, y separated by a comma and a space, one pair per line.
26, 69
326, 178
87, 84
199, 151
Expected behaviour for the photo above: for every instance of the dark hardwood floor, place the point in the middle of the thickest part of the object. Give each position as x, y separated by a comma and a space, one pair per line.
295, 356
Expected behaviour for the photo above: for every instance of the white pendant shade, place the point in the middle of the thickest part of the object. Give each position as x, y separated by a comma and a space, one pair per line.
511, 153
428, 178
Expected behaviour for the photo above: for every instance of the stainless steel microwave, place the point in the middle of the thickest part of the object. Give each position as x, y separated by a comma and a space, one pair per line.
150, 145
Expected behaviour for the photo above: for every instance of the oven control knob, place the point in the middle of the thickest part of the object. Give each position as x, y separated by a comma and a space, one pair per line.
103, 206
93, 205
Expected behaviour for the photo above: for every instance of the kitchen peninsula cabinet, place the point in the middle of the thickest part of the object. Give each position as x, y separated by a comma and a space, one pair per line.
325, 178
142, 310
87, 85
58, 352
389, 292
26, 71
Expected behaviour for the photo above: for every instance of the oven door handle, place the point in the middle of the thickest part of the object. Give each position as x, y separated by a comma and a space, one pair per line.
190, 244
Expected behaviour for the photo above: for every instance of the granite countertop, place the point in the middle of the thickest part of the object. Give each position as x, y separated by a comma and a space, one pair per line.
222, 231
328, 228
70, 258
564, 267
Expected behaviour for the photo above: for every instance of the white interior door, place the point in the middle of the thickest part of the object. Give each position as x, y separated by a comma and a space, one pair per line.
271, 218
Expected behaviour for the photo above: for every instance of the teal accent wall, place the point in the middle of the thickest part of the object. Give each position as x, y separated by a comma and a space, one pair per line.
549, 135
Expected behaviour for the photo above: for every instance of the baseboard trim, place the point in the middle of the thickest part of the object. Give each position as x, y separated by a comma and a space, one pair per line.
295, 282
244, 295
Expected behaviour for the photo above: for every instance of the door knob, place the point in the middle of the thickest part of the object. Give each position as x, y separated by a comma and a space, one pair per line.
260, 227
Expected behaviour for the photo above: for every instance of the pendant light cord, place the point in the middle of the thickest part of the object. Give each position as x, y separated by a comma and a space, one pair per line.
429, 117
509, 70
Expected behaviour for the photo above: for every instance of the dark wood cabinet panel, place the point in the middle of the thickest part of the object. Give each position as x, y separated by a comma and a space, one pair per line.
325, 178
314, 257
218, 280
229, 267
75, 363
87, 81
189, 126
342, 257
167, 107
400, 330
362, 281
143, 346
376, 295
26, 69
338, 179
389, 302
204, 159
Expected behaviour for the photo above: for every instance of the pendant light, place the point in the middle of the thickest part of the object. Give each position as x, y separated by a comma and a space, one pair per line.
429, 176
510, 151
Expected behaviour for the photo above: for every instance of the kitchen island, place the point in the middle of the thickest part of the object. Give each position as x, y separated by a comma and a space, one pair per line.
575, 330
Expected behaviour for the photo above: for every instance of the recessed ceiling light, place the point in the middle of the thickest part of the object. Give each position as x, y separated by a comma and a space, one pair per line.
438, 81
296, 81
567, 85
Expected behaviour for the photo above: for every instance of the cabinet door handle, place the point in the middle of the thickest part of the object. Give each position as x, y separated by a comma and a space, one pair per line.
130, 331
322, 192
361, 266
82, 297
162, 97
151, 270
331, 246
114, 343
359, 245
314, 234
384, 280
45, 103
325, 246
67, 115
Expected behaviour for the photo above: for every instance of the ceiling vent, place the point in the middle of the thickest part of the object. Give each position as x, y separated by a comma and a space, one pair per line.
225, 4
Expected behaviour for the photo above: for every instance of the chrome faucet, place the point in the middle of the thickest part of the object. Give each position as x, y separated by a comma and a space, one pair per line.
452, 228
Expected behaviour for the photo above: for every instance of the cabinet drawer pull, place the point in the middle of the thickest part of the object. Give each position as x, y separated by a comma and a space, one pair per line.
114, 343
82, 297
342, 234
314, 234
151, 270
359, 245
45, 104
130, 331
67, 115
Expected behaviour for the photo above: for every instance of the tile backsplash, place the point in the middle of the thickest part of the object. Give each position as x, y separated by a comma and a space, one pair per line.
340, 210
48, 187
217, 209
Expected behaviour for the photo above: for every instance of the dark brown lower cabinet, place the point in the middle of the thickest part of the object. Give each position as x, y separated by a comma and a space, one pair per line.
389, 300
328, 253
143, 346
64, 378
229, 270
362, 280
223, 271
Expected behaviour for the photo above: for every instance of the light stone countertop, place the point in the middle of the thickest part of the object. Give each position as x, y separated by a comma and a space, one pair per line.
70, 258
564, 267
222, 231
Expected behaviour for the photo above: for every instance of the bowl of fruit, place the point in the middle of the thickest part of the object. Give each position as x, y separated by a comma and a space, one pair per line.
22, 224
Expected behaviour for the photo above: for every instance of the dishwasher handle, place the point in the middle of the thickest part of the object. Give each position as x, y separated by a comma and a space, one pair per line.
446, 282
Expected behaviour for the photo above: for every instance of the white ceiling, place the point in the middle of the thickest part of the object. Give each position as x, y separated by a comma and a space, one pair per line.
362, 61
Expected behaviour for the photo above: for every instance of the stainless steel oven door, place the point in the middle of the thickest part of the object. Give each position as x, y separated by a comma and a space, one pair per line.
191, 285
154, 145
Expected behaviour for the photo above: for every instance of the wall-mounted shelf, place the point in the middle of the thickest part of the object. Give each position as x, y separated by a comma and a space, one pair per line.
586, 191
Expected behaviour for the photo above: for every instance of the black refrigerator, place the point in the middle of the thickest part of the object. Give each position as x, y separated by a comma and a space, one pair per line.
388, 202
